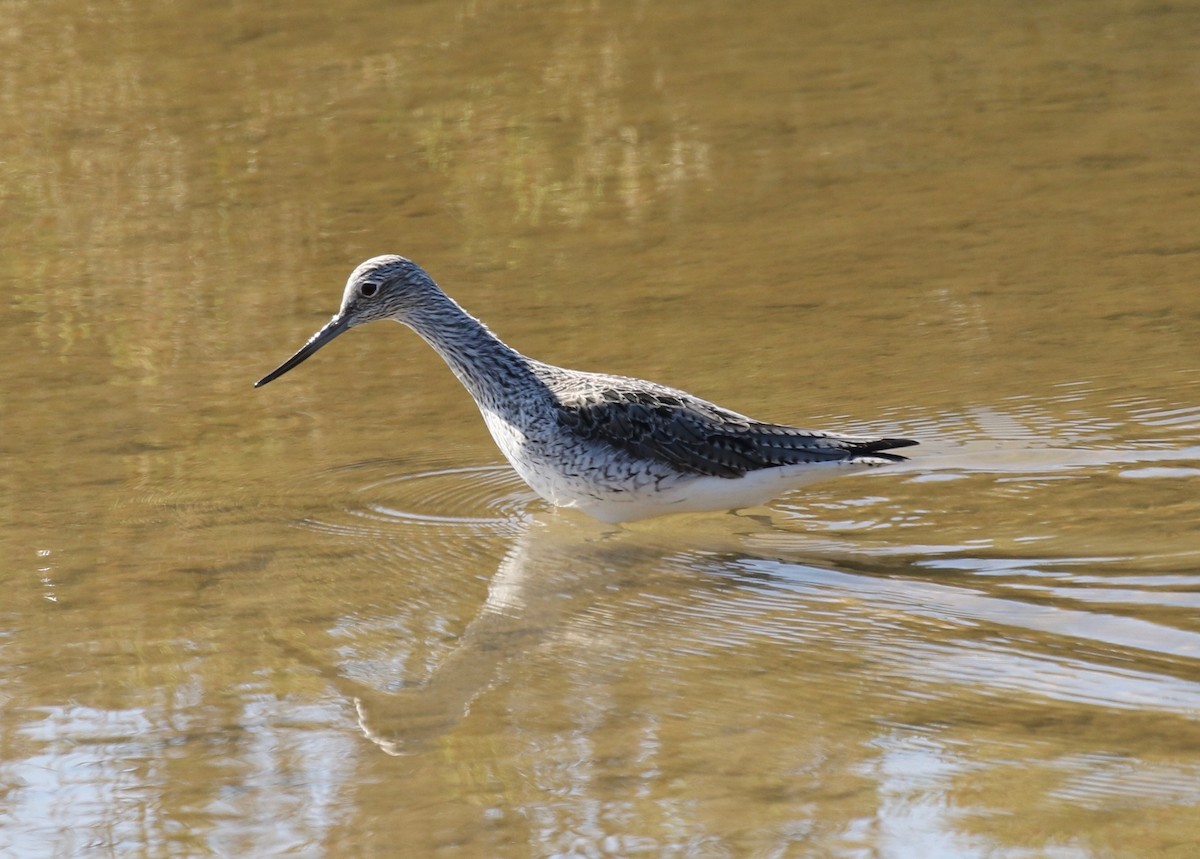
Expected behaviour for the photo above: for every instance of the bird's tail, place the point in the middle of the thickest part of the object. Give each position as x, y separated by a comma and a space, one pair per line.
875, 448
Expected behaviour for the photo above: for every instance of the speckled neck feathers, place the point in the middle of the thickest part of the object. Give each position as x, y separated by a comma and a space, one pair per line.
493, 372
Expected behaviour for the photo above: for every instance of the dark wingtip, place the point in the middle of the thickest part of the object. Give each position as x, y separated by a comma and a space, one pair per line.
876, 448
886, 444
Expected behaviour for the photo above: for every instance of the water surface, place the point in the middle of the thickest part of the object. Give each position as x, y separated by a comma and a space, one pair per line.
324, 619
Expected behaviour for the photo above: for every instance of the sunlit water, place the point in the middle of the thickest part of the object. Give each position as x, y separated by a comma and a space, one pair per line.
323, 618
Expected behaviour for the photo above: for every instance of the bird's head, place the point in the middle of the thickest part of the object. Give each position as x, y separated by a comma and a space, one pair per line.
383, 287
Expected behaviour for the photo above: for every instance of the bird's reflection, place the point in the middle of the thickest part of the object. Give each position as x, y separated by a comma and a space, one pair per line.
551, 573
548, 574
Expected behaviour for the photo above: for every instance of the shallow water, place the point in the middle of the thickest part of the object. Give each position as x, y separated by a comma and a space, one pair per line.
323, 618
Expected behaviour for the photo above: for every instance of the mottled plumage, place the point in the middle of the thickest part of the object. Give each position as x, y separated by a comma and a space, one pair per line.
615, 447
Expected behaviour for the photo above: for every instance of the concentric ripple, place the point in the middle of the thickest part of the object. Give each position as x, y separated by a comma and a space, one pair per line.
489, 496
485, 500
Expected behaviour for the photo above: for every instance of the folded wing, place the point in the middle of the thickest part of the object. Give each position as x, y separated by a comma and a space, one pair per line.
697, 437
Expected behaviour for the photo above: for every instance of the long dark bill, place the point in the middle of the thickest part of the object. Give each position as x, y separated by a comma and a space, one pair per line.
332, 329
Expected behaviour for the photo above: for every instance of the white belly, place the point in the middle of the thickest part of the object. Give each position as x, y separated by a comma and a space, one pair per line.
595, 490
692, 494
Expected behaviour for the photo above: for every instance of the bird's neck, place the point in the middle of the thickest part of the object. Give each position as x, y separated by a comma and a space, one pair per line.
499, 377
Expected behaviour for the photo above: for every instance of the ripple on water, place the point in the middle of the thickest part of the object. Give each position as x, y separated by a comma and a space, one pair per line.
1080, 473
443, 516
483, 500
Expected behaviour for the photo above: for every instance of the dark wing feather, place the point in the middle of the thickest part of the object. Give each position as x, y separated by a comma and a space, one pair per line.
697, 437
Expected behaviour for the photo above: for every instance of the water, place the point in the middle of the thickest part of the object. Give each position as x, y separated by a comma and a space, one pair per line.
324, 619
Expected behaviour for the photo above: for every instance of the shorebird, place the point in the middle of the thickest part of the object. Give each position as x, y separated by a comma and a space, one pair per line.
614, 447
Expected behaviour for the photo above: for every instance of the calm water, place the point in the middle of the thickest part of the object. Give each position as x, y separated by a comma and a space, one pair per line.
323, 618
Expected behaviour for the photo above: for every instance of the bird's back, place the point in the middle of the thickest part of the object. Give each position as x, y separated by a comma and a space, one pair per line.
664, 425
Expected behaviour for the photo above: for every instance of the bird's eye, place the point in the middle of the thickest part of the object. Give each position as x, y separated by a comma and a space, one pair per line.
368, 289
